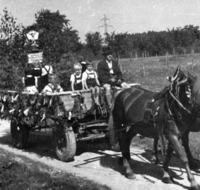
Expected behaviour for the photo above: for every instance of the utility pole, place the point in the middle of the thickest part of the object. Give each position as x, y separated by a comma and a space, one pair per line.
105, 25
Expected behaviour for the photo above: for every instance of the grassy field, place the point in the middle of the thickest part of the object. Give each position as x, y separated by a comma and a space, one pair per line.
151, 73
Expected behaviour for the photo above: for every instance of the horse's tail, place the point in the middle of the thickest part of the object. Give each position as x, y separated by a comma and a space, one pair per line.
162, 116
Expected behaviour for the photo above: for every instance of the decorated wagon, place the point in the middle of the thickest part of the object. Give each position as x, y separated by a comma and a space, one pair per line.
72, 117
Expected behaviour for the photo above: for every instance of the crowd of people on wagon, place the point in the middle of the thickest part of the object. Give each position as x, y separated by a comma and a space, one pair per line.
41, 78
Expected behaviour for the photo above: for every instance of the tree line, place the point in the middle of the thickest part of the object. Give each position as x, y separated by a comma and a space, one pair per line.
61, 45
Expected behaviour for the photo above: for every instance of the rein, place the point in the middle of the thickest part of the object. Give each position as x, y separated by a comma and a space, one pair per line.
179, 103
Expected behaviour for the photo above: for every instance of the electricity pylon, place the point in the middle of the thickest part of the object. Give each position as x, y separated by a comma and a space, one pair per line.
105, 25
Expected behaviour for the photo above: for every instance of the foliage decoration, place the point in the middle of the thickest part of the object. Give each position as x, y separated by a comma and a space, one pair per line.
31, 110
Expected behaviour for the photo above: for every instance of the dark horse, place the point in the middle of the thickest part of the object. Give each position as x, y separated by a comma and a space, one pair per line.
167, 114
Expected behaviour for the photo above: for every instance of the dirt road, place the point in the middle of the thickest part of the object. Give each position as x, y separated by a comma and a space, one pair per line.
100, 165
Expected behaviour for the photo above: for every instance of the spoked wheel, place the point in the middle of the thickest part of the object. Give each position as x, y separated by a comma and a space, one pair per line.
19, 134
65, 144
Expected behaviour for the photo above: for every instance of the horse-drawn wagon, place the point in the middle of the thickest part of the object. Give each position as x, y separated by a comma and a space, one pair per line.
71, 116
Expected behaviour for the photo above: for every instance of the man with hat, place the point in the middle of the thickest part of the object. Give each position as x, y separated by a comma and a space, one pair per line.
109, 73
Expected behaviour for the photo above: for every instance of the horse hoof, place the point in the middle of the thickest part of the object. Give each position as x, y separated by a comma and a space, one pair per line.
116, 147
168, 180
120, 161
130, 176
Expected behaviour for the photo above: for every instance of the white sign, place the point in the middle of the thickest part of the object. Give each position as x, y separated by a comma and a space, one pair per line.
32, 35
35, 57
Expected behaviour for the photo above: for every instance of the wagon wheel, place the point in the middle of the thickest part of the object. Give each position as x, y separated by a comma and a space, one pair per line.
19, 134
65, 144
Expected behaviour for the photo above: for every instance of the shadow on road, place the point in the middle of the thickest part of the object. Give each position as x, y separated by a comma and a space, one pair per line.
41, 144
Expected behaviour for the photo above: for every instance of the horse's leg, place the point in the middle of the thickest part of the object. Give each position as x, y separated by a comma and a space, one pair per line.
172, 136
166, 177
155, 144
124, 142
193, 163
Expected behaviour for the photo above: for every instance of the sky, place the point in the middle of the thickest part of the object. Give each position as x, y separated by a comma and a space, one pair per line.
132, 16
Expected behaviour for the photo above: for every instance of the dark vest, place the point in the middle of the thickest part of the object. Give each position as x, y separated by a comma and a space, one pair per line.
78, 82
29, 78
43, 80
91, 81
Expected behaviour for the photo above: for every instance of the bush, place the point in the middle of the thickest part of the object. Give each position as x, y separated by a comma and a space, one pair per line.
10, 74
64, 69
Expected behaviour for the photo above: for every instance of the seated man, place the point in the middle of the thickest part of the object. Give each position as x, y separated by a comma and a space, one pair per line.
109, 74
53, 85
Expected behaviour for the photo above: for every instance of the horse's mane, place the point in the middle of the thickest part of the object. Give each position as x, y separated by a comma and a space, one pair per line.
161, 94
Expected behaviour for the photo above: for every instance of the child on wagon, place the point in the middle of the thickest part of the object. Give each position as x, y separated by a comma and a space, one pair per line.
90, 81
76, 77
53, 85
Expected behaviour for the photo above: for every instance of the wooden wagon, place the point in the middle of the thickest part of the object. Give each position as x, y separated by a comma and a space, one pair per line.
72, 117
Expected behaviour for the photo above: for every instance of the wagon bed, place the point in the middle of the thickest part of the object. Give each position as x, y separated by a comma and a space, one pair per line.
69, 122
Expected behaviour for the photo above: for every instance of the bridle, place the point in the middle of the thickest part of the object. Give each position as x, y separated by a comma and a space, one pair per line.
174, 92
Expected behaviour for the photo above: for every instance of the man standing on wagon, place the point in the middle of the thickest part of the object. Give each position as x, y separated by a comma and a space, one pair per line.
109, 73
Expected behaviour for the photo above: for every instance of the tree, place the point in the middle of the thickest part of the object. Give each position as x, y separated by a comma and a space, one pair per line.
94, 42
117, 42
56, 35
10, 36
58, 41
11, 51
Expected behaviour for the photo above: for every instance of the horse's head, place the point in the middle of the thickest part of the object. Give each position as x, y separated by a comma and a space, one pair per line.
194, 89
186, 88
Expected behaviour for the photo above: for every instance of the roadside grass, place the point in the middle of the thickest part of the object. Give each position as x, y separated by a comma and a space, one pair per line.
20, 173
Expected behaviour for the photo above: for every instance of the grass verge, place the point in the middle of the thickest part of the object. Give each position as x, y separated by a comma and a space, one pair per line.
20, 173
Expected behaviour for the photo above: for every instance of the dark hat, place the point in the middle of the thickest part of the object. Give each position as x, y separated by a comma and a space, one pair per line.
106, 51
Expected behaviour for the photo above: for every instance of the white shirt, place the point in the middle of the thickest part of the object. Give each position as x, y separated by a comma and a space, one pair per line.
50, 88
110, 66
92, 75
47, 69
31, 89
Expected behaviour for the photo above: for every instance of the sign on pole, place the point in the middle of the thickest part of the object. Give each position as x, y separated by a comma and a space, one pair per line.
35, 57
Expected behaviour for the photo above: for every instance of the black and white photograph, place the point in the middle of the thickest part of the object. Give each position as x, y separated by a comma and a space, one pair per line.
99, 94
